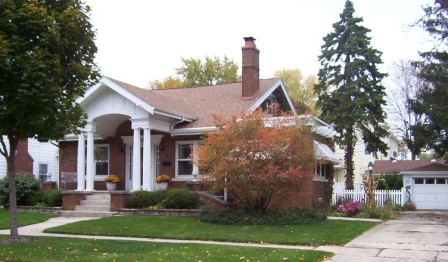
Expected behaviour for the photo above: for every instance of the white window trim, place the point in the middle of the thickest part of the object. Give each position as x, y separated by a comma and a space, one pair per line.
102, 177
38, 169
321, 175
194, 143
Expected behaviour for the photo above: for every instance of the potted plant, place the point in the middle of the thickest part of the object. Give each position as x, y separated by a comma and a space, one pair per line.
111, 181
162, 181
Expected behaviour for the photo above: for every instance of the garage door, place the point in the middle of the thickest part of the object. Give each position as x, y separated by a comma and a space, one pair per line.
430, 193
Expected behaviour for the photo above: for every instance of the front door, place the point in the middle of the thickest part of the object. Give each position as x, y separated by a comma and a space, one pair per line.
154, 163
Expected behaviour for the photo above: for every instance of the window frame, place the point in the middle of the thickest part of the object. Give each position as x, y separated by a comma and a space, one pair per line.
192, 144
97, 146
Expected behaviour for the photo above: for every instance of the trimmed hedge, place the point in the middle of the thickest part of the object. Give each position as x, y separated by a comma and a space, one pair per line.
176, 198
272, 217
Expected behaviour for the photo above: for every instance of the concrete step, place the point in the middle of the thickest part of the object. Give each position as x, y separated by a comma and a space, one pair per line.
103, 197
95, 202
92, 208
86, 214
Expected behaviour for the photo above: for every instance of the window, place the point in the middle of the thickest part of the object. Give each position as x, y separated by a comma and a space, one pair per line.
321, 170
429, 181
102, 159
184, 164
418, 180
366, 152
43, 171
440, 181
184, 153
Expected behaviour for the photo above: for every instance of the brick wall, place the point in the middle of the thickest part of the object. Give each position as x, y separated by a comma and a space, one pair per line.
118, 200
24, 161
72, 198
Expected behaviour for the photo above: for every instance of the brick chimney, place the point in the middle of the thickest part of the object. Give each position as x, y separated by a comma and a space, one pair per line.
251, 69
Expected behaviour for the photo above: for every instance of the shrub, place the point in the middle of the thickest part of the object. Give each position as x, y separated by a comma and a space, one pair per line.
390, 182
409, 206
52, 198
144, 199
180, 198
271, 217
348, 209
26, 188
139, 199
384, 212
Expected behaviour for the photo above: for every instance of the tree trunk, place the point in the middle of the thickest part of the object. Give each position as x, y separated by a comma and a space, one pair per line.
10, 162
349, 166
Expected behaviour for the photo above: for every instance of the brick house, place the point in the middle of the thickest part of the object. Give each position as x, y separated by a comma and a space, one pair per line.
166, 125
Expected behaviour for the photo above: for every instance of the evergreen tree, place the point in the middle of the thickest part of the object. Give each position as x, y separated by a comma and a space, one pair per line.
434, 70
350, 93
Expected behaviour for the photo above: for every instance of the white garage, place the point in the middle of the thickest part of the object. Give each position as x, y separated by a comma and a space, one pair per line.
428, 186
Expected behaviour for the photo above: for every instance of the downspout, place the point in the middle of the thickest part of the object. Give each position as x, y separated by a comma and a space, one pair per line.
175, 123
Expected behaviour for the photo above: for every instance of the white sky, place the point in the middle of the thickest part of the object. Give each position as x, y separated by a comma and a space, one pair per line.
140, 41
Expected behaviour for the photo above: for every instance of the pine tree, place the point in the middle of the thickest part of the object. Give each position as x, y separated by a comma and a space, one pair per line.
350, 93
434, 70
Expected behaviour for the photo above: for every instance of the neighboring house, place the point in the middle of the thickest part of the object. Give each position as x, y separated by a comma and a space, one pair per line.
34, 157
428, 185
426, 180
396, 166
361, 160
166, 126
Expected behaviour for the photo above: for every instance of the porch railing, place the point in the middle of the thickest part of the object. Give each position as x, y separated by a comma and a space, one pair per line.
396, 197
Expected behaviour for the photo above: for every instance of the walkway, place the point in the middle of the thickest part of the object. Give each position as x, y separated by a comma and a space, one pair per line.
414, 236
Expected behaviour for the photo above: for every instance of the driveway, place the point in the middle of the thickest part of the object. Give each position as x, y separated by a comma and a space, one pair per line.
412, 236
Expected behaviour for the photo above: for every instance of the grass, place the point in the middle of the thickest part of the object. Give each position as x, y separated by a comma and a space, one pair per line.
23, 218
71, 249
330, 232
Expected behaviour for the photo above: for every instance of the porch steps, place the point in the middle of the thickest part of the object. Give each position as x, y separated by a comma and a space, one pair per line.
95, 205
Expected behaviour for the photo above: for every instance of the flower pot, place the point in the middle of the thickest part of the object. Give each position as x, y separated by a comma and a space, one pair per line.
111, 186
162, 185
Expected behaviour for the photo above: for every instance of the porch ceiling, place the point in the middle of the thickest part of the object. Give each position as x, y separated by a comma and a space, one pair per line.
107, 125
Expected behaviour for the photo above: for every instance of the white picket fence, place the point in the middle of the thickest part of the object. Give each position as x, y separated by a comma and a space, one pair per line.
396, 197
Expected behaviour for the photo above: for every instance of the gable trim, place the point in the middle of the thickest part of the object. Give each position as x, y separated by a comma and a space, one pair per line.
120, 90
278, 83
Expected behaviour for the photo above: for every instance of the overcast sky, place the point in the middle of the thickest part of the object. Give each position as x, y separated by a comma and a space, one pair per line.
140, 41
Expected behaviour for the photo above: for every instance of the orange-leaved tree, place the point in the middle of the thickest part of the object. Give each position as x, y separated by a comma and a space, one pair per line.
256, 157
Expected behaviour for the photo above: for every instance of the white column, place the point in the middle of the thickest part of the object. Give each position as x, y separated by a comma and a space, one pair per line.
136, 158
81, 165
147, 174
90, 161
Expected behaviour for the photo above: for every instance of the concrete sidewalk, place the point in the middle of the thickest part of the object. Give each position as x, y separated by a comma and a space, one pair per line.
413, 236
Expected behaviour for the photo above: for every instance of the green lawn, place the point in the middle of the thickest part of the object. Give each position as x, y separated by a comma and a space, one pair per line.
330, 232
71, 249
23, 218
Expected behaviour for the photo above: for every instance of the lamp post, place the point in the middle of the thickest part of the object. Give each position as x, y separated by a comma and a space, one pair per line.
370, 166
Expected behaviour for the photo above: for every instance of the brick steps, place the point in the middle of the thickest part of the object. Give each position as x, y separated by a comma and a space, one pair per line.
95, 205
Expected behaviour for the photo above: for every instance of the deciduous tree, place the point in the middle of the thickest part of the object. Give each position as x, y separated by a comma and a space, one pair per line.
350, 92
46, 61
255, 161
407, 123
213, 71
300, 89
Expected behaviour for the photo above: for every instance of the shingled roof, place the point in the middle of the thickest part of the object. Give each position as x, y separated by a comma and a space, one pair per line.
200, 103
394, 166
